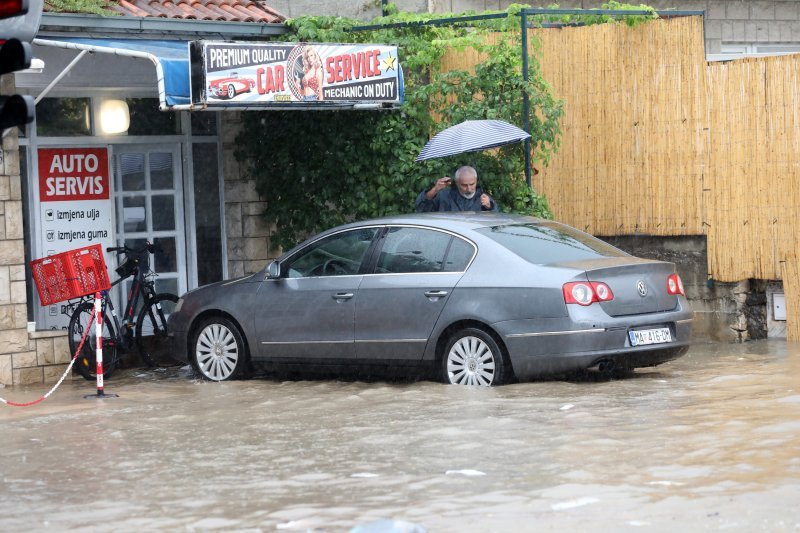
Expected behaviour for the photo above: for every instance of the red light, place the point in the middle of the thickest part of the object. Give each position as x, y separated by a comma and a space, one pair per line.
578, 293
13, 8
586, 293
675, 285
602, 291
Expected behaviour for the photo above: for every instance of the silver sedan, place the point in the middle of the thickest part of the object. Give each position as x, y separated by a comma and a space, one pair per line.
483, 299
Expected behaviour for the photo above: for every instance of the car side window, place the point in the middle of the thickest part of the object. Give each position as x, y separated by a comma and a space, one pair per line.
337, 255
459, 256
407, 250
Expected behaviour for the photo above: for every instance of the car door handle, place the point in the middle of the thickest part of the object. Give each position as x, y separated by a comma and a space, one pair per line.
342, 296
435, 294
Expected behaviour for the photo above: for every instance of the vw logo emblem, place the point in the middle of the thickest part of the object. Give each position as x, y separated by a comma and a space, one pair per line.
642, 288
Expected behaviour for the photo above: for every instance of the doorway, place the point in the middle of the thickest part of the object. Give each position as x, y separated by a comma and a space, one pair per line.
148, 199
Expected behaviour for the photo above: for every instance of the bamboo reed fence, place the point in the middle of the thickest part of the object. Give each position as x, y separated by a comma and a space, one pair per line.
791, 291
657, 141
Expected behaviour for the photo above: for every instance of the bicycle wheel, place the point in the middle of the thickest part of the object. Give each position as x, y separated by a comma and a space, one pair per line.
151, 329
86, 362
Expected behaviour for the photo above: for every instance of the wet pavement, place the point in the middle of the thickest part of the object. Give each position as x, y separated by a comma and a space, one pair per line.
708, 442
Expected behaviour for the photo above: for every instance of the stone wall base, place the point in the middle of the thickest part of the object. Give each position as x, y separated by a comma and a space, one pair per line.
44, 361
724, 312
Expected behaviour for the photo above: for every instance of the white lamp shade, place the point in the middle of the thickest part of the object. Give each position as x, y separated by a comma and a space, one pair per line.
114, 116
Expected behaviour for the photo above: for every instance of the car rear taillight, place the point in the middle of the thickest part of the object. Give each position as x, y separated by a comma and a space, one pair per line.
675, 285
587, 292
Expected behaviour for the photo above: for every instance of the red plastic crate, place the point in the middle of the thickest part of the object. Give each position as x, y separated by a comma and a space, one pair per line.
70, 274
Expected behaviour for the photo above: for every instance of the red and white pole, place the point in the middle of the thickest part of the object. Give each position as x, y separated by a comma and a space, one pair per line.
98, 319
98, 325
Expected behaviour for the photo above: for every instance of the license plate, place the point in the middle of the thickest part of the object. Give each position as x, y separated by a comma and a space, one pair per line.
650, 336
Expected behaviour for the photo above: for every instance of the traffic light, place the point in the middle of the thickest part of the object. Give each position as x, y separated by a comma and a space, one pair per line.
15, 110
19, 22
13, 8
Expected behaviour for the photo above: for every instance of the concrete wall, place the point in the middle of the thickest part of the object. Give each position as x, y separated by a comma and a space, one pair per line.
360, 9
727, 21
743, 21
726, 312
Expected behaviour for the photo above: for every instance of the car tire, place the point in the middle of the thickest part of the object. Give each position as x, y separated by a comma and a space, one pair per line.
473, 357
231, 92
218, 350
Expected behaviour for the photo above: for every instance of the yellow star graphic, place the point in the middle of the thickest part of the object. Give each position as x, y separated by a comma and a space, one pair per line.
389, 63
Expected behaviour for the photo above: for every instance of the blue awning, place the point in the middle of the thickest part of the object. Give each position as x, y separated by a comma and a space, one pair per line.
171, 59
173, 72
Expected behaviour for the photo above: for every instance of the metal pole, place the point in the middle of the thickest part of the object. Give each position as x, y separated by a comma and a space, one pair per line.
432, 22
528, 11
384, 6
98, 324
526, 121
58, 78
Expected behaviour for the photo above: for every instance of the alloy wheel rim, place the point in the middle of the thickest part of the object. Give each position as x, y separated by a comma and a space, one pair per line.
470, 362
217, 352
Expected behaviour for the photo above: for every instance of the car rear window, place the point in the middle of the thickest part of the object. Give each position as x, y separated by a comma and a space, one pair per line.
550, 242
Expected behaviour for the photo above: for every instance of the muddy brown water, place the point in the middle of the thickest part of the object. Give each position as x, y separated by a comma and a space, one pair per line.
705, 443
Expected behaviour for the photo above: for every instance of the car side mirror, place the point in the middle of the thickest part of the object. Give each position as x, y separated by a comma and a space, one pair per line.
274, 270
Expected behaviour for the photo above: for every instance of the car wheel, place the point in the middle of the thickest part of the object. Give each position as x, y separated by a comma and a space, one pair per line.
218, 350
231, 91
472, 357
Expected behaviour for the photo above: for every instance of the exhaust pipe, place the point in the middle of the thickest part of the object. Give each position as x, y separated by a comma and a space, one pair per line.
606, 367
603, 366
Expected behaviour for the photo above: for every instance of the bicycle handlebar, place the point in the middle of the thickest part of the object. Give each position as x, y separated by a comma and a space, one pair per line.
148, 247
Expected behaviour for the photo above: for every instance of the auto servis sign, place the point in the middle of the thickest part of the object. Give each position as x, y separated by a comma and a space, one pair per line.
237, 74
73, 208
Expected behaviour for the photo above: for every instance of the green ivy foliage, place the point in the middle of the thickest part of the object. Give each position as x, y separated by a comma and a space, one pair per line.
317, 169
589, 19
96, 7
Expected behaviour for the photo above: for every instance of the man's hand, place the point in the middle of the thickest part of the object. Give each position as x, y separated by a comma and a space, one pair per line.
441, 184
486, 201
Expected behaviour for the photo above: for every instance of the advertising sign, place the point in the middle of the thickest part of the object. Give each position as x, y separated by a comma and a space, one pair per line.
74, 207
228, 74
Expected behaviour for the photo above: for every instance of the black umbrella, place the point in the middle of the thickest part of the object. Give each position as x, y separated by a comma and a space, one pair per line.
472, 136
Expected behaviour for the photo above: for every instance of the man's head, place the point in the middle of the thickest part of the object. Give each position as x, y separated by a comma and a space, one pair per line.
466, 181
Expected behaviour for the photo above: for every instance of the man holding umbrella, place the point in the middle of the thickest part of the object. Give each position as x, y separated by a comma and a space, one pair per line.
468, 136
465, 196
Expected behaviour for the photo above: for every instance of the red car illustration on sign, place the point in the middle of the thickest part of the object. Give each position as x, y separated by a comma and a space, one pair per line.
231, 86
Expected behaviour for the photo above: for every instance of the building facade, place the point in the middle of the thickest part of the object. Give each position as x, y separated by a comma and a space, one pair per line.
172, 177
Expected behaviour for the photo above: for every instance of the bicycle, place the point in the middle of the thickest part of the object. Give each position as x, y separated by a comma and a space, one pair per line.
148, 332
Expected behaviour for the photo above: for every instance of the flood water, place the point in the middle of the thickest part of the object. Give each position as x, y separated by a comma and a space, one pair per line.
708, 442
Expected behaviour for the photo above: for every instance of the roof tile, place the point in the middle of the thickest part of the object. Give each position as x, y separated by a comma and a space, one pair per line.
132, 9
221, 10
201, 11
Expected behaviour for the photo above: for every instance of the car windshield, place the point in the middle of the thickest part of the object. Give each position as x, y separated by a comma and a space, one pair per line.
550, 242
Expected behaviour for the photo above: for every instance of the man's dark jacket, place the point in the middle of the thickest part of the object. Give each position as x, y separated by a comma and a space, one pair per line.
451, 200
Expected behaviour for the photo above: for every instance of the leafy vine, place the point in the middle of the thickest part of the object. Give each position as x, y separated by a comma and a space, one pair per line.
317, 169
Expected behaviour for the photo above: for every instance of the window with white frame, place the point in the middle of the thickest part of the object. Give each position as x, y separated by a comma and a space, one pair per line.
730, 51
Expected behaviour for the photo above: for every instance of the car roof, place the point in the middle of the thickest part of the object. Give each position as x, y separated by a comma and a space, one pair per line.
451, 220
458, 222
